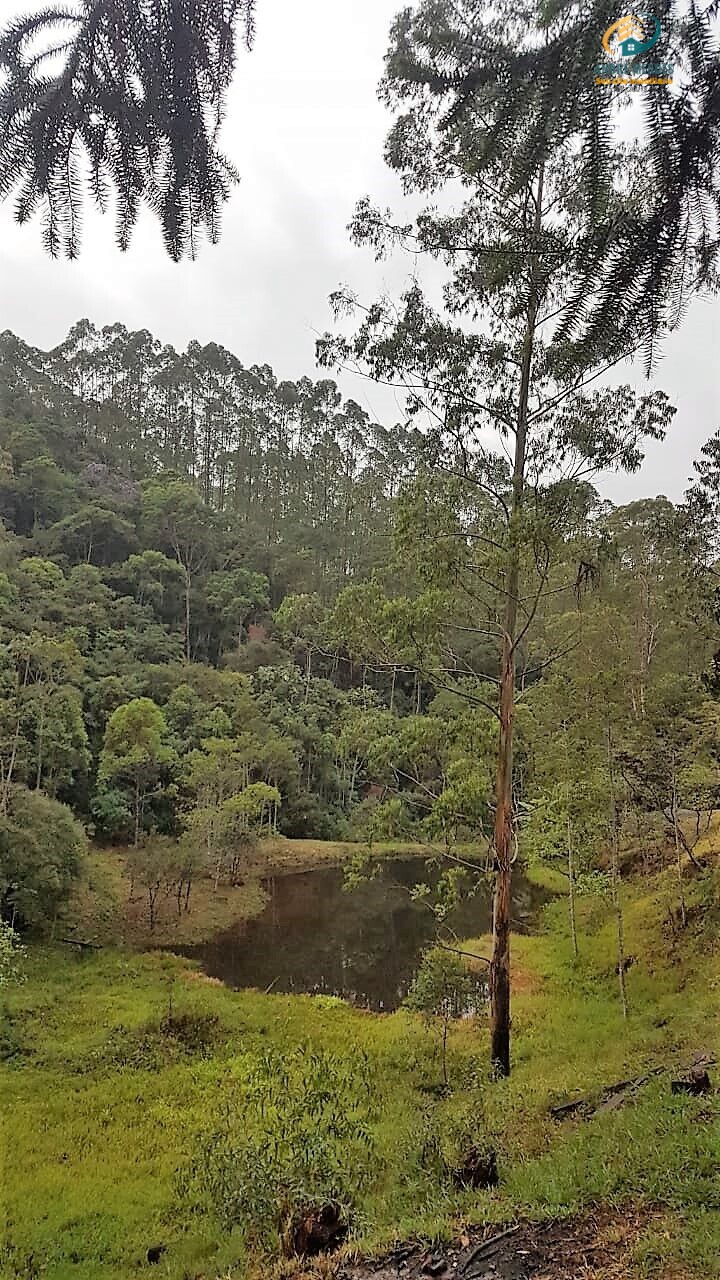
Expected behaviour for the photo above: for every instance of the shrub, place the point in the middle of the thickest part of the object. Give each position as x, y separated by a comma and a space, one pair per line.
443, 989
42, 851
155, 1046
11, 954
296, 1140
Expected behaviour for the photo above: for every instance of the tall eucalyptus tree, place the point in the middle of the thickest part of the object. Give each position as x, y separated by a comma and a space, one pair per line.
523, 330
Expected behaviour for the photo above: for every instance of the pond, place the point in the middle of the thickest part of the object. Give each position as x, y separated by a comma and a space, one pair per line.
361, 944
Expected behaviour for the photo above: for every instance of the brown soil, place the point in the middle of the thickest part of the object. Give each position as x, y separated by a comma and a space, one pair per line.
597, 1246
523, 981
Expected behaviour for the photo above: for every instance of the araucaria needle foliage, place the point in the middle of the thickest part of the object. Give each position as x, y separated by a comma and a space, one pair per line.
123, 94
512, 85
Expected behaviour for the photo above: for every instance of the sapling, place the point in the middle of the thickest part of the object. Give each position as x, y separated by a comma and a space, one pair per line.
443, 989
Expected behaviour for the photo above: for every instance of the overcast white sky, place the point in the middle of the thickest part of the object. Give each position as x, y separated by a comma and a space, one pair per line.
306, 131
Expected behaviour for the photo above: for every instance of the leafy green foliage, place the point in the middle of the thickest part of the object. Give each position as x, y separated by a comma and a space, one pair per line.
507, 90
42, 849
11, 955
346, 670
443, 989
136, 752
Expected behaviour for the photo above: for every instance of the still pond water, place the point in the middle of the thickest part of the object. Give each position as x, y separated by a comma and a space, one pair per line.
362, 944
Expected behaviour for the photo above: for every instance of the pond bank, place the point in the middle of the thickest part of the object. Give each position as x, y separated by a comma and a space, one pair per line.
364, 944
103, 910
118, 1065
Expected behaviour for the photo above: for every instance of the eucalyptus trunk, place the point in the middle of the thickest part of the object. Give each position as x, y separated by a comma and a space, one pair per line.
678, 842
188, 586
615, 877
571, 878
137, 813
504, 827
40, 744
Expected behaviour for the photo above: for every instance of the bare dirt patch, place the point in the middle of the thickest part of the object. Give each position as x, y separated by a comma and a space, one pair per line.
597, 1246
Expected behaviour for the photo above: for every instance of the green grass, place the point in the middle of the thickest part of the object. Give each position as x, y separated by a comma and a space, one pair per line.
102, 1111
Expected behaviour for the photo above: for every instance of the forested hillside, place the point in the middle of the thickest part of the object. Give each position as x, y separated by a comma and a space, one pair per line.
233, 605
302, 481
159, 509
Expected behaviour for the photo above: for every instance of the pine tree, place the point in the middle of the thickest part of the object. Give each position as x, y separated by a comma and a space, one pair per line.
120, 94
506, 85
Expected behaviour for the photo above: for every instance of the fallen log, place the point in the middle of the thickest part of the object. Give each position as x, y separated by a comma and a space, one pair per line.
481, 1255
564, 1109
612, 1097
435, 1266
80, 944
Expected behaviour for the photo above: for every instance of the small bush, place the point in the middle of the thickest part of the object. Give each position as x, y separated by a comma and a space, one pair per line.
442, 991
295, 1142
450, 1144
12, 1047
194, 1032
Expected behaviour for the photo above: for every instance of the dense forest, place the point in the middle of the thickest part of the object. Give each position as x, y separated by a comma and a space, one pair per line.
232, 604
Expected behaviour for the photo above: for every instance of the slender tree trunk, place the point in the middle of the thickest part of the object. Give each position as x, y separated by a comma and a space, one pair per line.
41, 732
616, 886
353, 780
137, 812
570, 848
503, 837
153, 891
571, 876
187, 615
503, 852
678, 842
16, 741
617, 897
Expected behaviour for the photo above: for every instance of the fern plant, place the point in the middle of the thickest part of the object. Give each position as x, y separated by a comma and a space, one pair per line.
127, 96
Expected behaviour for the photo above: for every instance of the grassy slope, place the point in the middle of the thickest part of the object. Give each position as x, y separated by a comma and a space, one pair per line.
102, 910
93, 1146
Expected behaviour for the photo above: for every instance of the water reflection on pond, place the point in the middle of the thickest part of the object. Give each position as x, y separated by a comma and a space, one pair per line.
363, 944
